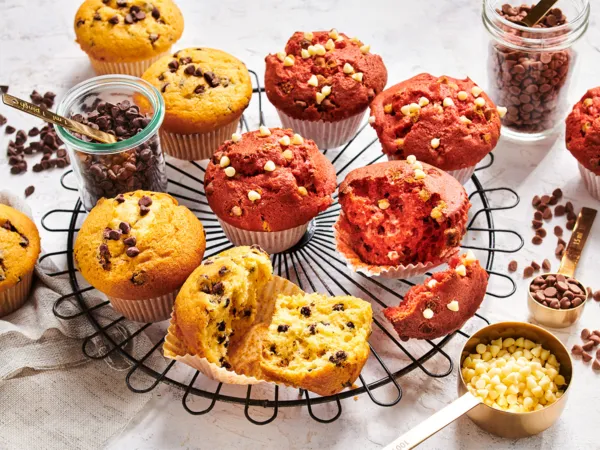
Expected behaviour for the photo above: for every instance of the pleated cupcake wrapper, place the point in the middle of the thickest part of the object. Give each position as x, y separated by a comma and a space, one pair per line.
591, 181
174, 348
153, 309
135, 68
462, 175
14, 297
355, 264
197, 146
269, 241
325, 134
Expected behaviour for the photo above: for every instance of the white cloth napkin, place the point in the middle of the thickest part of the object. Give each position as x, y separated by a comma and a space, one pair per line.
51, 395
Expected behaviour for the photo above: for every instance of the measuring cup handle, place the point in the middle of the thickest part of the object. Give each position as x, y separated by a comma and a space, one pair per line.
435, 423
582, 229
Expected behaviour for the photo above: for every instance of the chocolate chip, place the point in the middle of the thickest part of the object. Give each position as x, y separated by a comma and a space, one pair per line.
547, 214
535, 266
538, 215
338, 307
282, 328
577, 350
350, 325
121, 3
144, 210
120, 198
128, 18
155, 13
218, 288
537, 240
3, 120
132, 252
513, 266
537, 224
596, 296
560, 248
114, 235
140, 15
546, 265
29, 190
212, 79
557, 193
541, 232
221, 326
173, 65
586, 356
571, 225
596, 363
339, 357
569, 207
559, 211
145, 201
528, 271
190, 70
153, 37
305, 311
222, 271
131, 241
312, 329
200, 89
3, 88
198, 72
185, 60
536, 200
9, 129
114, 20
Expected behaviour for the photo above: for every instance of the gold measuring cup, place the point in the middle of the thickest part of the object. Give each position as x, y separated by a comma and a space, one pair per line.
561, 318
501, 423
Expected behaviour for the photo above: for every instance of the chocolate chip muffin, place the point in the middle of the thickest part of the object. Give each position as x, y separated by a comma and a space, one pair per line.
322, 84
448, 123
400, 214
127, 36
443, 303
205, 92
138, 249
19, 251
265, 186
583, 138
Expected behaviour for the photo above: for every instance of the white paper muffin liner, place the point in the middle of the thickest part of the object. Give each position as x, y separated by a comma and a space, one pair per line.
591, 181
269, 241
462, 175
153, 309
325, 134
14, 297
174, 348
197, 146
135, 68
354, 263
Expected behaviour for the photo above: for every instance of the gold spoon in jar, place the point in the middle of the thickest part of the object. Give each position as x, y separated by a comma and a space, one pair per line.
537, 13
49, 116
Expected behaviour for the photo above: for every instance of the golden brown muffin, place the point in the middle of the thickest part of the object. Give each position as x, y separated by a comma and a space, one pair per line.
139, 245
19, 247
317, 342
203, 88
127, 30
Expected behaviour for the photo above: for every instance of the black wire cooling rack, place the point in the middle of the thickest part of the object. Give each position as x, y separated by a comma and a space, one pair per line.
314, 265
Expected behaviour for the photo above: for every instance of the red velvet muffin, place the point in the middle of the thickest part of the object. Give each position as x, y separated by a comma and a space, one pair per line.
401, 213
266, 185
448, 123
583, 138
443, 303
322, 84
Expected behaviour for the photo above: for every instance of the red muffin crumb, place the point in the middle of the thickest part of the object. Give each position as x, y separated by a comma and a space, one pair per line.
288, 89
583, 130
465, 132
443, 303
390, 217
297, 189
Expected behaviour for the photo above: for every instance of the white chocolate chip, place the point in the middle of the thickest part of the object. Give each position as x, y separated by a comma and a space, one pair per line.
264, 131
405, 110
285, 141
319, 50
387, 108
288, 154
588, 102
453, 306
253, 196
224, 162
313, 81
355, 40
236, 211
435, 143
417, 165
414, 108
229, 171
501, 111
371, 119
333, 34
281, 56
340, 38
462, 95
476, 91
305, 53
326, 90
348, 69
448, 102
269, 166
465, 120
302, 191
423, 101
480, 102
312, 50
411, 159
308, 35
432, 283
297, 139
393, 254
365, 49
288, 61
461, 270
399, 142
319, 97
236, 137
428, 313
383, 203
469, 258
329, 45
419, 174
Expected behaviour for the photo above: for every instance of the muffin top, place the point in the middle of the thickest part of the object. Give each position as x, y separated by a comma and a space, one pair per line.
127, 30
19, 246
323, 75
269, 180
139, 245
443, 121
451, 296
402, 212
583, 130
203, 89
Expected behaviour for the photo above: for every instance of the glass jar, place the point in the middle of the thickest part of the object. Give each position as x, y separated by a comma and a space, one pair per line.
106, 170
529, 69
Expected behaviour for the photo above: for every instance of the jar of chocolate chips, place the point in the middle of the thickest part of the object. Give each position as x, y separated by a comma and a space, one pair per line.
132, 110
529, 68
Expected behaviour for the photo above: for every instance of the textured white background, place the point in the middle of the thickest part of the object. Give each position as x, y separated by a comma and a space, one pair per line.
37, 50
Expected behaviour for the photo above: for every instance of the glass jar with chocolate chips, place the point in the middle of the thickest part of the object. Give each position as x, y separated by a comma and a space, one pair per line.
132, 110
529, 69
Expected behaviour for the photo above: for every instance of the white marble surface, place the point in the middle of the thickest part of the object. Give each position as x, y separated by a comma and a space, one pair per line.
37, 50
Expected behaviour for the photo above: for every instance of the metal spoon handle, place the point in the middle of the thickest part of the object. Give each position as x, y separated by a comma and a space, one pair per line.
538, 12
51, 117
435, 423
582, 229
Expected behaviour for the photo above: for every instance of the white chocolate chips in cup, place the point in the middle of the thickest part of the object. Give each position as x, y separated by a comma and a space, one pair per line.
515, 375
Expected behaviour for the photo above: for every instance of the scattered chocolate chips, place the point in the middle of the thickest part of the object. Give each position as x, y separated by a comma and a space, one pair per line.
282, 328
305, 311
29, 190
513, 266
